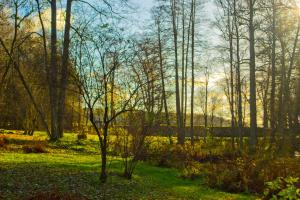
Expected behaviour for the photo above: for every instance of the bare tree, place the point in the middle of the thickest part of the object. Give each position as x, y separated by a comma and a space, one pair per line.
253, 116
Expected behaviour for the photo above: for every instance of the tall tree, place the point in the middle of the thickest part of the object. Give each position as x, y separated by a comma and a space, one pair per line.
193, 13
180, 132
273, 73
253, 116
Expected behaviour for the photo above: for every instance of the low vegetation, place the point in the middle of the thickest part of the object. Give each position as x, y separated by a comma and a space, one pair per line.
65, 172
69, 169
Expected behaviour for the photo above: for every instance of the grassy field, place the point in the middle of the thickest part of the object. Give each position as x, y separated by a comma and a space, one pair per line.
74, 167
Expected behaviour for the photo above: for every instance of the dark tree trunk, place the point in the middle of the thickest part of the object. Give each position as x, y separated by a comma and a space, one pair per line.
163, 80
193, 75
273, 76
53, 74
238, 79
180, 136
253, 119
64, 71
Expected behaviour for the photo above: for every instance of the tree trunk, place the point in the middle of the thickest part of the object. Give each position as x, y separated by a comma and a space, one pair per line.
238, 79
178, 110
193, 75
231, 97
273, 76
253, 119
64, 71
206, 104
182, 65
163, 81
103, 176
53, 74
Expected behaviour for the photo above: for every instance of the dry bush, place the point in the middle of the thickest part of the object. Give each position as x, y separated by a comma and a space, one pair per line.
249, 174
191, 170
237, 175
3, 142
82, 136
35, 148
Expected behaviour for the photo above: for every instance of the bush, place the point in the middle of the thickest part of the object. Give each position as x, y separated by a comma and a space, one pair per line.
249, 174
283, 188
191, 170
167, 155
231, 175
81, 136
3, 142
35, 148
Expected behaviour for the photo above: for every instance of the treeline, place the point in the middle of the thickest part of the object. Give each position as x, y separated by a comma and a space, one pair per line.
261, 39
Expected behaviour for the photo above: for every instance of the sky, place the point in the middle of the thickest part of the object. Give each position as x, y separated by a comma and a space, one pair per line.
207, 15
144, 7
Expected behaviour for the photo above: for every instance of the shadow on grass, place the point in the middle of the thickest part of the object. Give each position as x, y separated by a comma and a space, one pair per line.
23, 175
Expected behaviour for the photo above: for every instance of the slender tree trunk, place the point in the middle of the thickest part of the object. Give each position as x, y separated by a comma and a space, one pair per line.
112, 94
193, 75
177, 91
281, 107
231, 97
103, 176
264, 96
273, 75
182, 64
253, 119
288, 79
186, 67
238, 74
163, 80
53, 73
206, 104
64, 71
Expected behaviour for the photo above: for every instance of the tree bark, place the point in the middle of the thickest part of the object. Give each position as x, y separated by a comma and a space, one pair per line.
253, 115
64, 71
238, 74
273, 75
180, 136
163, 80
193, 75
53, 73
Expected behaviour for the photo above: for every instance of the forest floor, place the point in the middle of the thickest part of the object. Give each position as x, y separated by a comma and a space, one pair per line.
72, 167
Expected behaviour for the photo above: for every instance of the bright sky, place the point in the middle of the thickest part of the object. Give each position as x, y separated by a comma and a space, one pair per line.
144, 7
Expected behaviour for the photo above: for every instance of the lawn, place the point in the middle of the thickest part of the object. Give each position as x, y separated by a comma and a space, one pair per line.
72, 167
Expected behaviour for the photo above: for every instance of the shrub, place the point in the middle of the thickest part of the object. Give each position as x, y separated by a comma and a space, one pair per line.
283, 188
248, 174
81, 136
191, 170
35, 148
3, 142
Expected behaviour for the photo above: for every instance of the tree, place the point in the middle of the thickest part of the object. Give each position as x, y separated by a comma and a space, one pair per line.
95, 63
177, 92
253, 117
158, 16
193, 14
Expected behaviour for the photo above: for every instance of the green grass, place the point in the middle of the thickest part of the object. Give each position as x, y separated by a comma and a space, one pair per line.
70, 171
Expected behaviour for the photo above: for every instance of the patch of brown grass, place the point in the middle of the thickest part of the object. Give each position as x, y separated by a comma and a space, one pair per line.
35, 148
